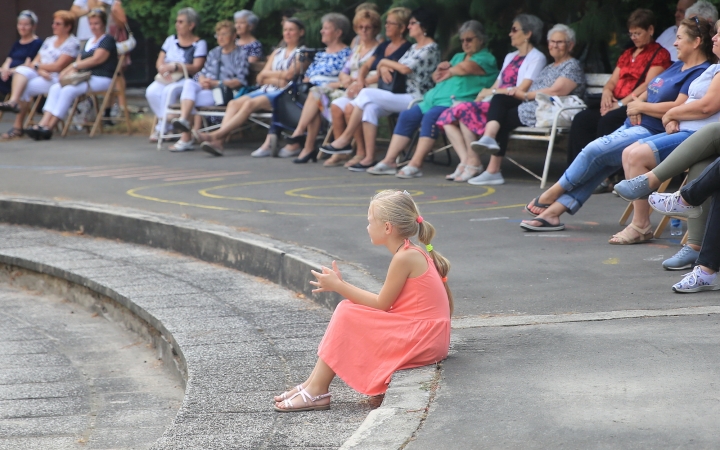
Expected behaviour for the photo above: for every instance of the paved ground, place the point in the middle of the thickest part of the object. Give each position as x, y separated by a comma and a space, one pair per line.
69, 379
577, 384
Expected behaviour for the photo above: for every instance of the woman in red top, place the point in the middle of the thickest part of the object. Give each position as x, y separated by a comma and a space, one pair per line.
635, 68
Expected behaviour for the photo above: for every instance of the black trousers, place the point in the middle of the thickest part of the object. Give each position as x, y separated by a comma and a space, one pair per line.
504, 109
695, 193
589, 125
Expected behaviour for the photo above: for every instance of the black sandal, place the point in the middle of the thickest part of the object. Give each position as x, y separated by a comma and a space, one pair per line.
296, 139
12, 134
9, 107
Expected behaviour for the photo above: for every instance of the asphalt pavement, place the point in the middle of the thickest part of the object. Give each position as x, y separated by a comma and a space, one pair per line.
560, 338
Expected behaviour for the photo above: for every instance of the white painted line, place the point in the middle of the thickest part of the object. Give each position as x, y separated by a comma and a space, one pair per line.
514, 321
546, 234
488, 219
655, 258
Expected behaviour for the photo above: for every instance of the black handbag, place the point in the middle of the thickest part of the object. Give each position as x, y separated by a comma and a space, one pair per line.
288, 105
398, 84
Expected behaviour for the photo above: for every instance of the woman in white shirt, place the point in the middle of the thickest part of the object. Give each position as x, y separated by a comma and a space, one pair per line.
178, 50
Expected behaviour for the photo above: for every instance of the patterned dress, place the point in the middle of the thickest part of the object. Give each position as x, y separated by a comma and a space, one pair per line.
474, 114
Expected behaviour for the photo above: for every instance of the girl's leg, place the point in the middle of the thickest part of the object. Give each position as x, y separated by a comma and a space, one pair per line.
317, 384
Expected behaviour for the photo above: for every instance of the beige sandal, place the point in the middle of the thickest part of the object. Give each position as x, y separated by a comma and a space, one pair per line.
624, 237
308, 401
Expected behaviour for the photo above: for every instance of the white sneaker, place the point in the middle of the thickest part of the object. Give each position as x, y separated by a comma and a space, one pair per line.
381, 169
261, 153
408, 172
670, 204
485, 145
487, 179
696, 281
182, 146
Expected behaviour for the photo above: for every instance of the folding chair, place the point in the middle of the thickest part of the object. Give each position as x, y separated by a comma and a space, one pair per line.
7, 97
36, 102
107, 96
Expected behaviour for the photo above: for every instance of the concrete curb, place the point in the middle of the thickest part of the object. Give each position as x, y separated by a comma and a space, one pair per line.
405, 405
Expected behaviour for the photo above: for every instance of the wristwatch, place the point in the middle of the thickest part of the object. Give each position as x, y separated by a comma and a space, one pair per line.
74, 65
37, 67
494, 91
620, 103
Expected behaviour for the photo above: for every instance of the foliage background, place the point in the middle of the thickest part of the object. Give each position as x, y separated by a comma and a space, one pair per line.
599, 24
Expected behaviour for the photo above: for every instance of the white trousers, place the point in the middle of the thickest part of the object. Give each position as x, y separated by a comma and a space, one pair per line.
193, 91
36, 84
376, 103
161, 95
60, 99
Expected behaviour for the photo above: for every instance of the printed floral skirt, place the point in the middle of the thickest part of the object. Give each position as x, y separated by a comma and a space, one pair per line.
472, 114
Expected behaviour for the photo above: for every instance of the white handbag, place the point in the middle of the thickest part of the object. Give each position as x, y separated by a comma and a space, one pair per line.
549, 107
128, 44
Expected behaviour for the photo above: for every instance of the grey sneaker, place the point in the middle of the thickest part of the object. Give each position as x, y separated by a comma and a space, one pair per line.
181, 125
485, 144
408, 172
696, 281
261, 153
487, 179
381, 169
285, 153
670, 205
634, 188
683, 259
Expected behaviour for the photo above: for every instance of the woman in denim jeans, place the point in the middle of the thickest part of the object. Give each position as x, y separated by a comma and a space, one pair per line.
603, 156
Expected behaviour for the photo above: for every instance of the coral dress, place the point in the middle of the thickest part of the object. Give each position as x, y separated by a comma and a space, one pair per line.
364, 345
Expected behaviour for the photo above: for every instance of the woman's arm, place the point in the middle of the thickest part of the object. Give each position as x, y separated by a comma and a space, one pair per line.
196, 65
656, 110
652, 73
702, 108
62, 62
118, 13
364, 71
394, 66
100, 55
608, 100
562, 86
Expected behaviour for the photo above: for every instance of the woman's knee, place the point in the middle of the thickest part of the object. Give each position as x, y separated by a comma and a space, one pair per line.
637, 154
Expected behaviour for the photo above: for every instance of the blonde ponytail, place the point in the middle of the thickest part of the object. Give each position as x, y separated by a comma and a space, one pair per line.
398, 208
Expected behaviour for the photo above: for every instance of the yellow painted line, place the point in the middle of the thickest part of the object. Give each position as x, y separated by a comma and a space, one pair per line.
611, 261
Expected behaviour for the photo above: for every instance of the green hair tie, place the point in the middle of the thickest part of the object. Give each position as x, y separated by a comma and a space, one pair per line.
429, 248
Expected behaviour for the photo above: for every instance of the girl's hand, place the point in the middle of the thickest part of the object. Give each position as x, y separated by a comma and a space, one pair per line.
328, 280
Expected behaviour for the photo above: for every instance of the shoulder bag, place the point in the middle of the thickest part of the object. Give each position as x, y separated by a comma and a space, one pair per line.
398, 84
75, 78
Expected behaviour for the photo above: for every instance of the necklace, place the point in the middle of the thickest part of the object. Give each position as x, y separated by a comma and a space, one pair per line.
398, 249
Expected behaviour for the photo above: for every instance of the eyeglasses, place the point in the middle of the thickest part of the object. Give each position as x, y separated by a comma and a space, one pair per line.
514, 29
413, 23
467, 40
364, 28
391, 23
58, 23
226, 34
556, 43
635, 34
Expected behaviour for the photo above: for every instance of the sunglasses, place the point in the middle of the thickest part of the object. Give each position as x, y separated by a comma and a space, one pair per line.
467, 40
514, 29
413, 23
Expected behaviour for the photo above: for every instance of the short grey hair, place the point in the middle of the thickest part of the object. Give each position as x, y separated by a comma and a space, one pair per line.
474, 27
704, 10
27, 14
192, 16
249, 17
562, 28
531, 24
339, 21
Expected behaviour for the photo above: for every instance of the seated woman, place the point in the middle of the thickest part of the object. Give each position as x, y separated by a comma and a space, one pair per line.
703, 190
367, 25
282, 66
226, 65
647, 58
99, 56
395, 45
603, 156
464, 122
417, 65
245, 25
183, 48
23, 50
701, 108
56, 53
325, 69
563, 76
460, 79
695, 153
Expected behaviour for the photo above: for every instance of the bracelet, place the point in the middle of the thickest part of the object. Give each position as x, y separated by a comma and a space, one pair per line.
525, 96
494, 91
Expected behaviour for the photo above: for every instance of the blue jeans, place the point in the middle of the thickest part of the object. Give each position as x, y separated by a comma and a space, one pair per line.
597, 161
412, 118
663, 144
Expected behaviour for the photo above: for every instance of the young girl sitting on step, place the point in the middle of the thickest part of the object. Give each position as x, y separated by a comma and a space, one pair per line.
370, 336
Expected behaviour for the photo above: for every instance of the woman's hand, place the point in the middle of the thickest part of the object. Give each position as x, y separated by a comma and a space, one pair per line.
327, 281
385, 73
67, 71
672, 126
207, 83
44, 73
482, 94
635, 107
354, 89
607, 101
166, 69
335, 85
5, 74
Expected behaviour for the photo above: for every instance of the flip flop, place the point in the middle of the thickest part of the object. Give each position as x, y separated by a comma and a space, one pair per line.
536, 204
546, 226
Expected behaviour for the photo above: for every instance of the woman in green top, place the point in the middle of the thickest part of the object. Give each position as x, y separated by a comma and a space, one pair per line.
458, 80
